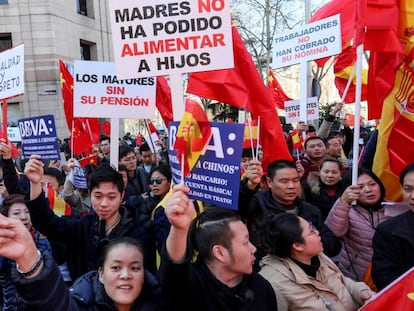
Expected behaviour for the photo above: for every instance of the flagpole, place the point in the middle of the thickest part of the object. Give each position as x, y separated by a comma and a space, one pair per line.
150, 137
4, 109
249, 124
72, 140
258, 138
358, 87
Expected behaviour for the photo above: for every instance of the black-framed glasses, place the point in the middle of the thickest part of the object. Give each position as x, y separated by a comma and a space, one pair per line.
157, 180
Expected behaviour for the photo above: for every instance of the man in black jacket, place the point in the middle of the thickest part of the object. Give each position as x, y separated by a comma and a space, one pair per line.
85, 237
222, 277
281, 197
393, 241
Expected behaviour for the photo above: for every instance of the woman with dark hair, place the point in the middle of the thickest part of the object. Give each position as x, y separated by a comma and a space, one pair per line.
121, 283
14, 206
323, 188
301, 275
356, 222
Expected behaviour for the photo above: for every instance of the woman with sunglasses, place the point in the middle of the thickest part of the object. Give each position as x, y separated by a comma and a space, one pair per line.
301, 275
159, 184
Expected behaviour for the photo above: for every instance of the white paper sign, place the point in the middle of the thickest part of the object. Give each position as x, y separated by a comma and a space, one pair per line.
292, 109
99, 93
12, 72
311, 41
160, 37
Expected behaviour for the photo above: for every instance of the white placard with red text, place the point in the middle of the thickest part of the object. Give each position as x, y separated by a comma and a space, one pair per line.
159, 37
308, 42
292, 109
99, 93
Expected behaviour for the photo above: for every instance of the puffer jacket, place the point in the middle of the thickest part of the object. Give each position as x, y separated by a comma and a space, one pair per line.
11, 300
356, 226
296, 291
47, 291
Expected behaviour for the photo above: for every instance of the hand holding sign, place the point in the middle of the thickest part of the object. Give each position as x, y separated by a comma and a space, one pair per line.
34, 169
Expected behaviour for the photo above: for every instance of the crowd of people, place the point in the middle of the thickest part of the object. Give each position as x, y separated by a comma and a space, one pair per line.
302, 237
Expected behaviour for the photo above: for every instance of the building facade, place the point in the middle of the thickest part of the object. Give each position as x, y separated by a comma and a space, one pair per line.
52, 30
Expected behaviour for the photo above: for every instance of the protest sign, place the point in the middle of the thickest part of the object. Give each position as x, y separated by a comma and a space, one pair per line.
158, 37
12, 72
99, 93
79, 177
38, 136
292, 108
311, 41
215, 179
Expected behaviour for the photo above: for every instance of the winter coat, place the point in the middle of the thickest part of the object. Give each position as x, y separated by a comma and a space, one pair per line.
47, 291
393, 246
297, 291
356, 226
188, 286
84, 237
321, 198
11, 300
262, 204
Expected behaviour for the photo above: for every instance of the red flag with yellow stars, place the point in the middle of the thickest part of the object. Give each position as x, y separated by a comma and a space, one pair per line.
193, 135
399, 295
92, 159
276, 91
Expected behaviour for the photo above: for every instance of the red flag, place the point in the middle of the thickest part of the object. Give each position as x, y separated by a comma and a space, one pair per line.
92, 159
138, 140
343, 66
276, 91
193, 135
106, 128
164, 101
399, 295
66, 85
243, 87
84, 131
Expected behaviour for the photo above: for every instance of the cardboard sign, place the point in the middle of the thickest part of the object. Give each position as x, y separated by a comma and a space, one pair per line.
99, 93
292, 109
39, 137
12, 72
216, 176
159, 37
311, 41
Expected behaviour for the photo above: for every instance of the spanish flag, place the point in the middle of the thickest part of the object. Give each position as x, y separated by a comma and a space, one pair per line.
395, 146
193, 135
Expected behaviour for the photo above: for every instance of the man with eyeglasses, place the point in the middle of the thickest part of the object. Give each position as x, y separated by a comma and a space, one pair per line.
137, 187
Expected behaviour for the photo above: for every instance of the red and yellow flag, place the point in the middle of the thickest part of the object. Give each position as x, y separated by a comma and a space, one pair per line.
193, 135
297, 140
395, 146
276, 91
250, 142
399, 295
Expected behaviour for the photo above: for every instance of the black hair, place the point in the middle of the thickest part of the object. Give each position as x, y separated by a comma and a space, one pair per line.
210, 228
280, 233
110, 245
144, 147
331, 160
54, 172
124, 150
105, 173
310, 138
277, 165
408, 169
163, 169
104, 137
362, 171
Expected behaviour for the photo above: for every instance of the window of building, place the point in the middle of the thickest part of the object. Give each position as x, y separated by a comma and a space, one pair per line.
4, 1
5, 41
85, 7
88, 50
